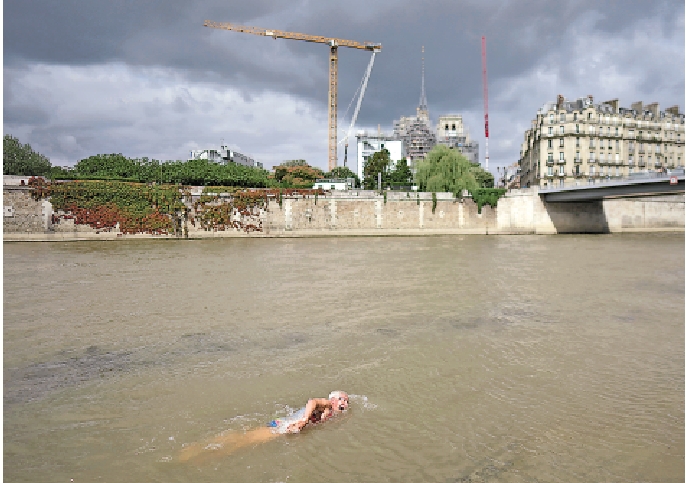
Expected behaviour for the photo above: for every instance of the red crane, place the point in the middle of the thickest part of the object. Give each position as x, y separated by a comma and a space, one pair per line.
483, 65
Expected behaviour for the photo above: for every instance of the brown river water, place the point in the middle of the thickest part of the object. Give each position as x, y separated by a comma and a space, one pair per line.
468, 359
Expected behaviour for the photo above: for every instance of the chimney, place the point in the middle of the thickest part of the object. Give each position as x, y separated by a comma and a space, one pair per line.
638, 107
674, 110
654, 109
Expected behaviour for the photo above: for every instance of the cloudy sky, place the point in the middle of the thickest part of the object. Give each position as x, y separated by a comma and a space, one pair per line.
145, 78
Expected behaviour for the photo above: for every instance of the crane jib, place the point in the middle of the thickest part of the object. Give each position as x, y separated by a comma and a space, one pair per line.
280, 34
334, 43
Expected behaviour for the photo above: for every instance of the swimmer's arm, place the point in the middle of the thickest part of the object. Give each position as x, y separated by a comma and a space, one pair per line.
311, 406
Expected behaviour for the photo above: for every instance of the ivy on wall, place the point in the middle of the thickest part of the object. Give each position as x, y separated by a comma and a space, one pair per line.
487, 196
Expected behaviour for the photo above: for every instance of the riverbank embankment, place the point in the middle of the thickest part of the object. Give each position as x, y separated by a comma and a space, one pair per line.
362, 213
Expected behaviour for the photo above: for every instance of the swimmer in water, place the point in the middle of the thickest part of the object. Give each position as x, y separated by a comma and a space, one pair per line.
316, 410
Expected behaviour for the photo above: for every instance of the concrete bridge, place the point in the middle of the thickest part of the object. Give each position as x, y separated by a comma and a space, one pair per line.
639, 184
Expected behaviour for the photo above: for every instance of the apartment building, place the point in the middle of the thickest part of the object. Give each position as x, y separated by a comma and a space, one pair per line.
580, 141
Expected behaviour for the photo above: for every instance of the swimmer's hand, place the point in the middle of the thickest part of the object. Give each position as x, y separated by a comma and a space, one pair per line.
297, 426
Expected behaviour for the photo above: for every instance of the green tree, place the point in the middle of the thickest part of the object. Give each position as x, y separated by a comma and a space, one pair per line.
401, 174
19, 159
296, 174
483, 177
377, 163
343, 172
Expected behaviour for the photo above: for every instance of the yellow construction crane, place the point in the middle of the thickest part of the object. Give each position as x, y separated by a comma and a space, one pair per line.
333, 68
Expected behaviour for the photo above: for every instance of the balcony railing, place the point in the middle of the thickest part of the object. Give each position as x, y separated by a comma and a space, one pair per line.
561, 161
591, 161
578, 161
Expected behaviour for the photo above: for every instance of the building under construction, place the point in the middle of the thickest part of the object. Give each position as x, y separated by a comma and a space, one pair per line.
418, 137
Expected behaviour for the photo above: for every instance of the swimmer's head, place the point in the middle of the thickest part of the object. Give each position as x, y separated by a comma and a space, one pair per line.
339, 400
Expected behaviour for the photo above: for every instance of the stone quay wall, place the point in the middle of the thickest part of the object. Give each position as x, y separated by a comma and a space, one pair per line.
23, 214
360, 213
371, 213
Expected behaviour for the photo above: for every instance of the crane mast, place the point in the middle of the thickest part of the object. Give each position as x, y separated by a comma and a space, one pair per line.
333, 43
483, 65
357, 107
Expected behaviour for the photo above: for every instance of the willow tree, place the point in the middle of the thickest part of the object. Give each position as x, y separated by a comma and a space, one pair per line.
447, 170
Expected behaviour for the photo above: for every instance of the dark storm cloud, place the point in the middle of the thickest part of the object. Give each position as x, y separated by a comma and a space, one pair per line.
536, 50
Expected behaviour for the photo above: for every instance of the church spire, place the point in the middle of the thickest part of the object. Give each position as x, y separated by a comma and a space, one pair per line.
423, 109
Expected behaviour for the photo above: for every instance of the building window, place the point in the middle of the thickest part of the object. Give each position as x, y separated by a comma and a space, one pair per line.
562, 156
577, 127
550, 131
590, 115
617, 145
550, 144
591, 170
550, 157
550, 170
562, 142
616, 131
631, 158
600, 131
577, 156
616, 170
562, 129
578, 142
602, 144
552, 119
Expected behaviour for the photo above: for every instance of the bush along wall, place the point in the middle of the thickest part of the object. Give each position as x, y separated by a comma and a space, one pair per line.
487, 196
